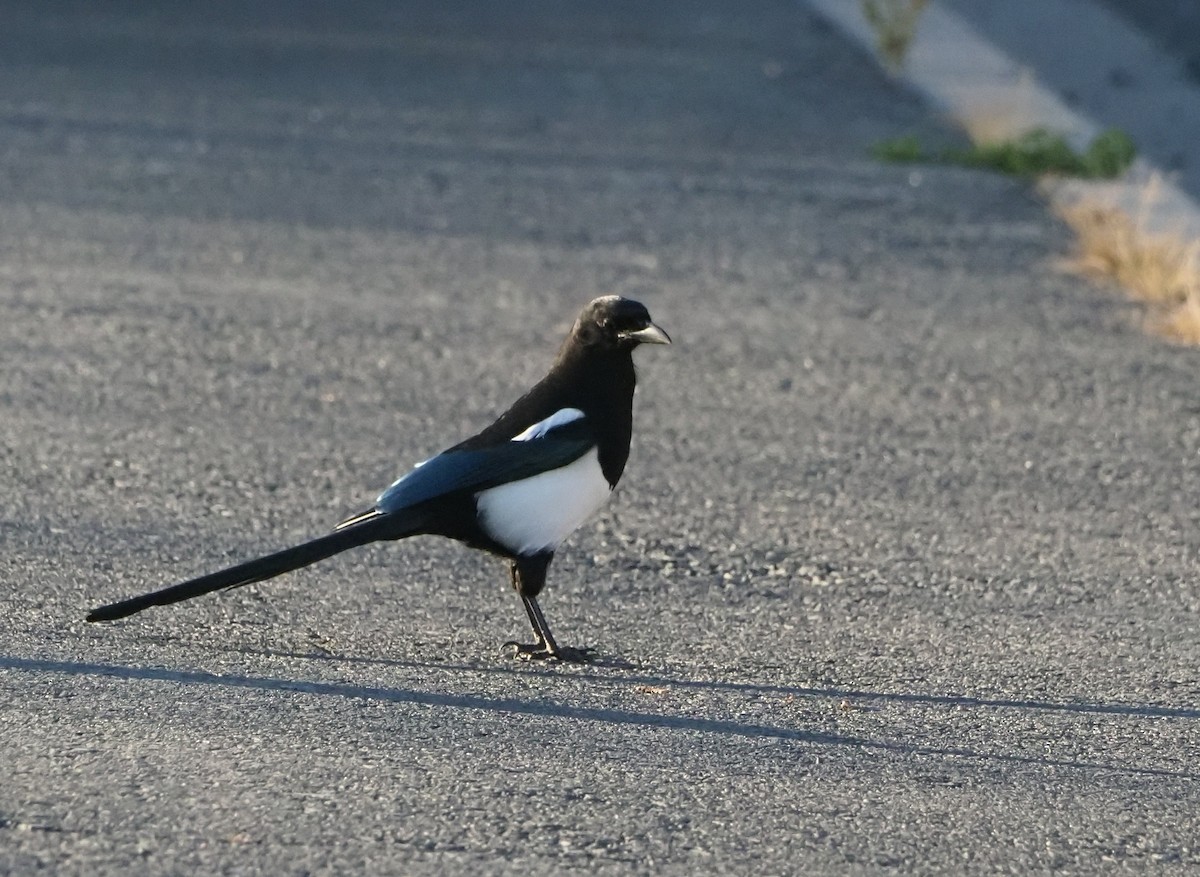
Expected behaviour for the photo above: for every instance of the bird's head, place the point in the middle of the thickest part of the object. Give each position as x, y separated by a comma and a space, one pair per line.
614, 323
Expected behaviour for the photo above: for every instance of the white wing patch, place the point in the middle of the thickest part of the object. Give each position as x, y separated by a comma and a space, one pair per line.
537, 514
539, 429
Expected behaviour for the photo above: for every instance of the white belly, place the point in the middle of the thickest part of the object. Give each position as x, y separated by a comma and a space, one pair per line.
538, 513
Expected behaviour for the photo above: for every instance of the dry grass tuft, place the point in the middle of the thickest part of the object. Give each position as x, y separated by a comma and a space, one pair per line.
895, 25
1110, 244
1162, 270
1182, 323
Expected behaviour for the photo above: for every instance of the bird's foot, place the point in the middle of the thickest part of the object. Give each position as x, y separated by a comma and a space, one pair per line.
543, 652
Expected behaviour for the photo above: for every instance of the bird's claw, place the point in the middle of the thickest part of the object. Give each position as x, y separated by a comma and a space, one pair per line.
541, 652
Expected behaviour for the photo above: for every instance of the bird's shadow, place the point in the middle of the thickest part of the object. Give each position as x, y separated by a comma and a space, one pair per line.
580, 672
544, 708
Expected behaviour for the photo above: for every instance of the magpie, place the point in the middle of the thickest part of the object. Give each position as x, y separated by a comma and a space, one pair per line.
517, 489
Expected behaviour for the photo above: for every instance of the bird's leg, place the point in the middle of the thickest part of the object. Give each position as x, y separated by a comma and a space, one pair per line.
546, 648
528, 577
526, 650
515, 577
540, 628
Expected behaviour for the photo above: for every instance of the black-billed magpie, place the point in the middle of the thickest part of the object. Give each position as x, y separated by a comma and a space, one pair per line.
517, 489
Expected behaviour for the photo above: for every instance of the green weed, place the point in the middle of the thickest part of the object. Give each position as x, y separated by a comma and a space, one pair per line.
1033, 154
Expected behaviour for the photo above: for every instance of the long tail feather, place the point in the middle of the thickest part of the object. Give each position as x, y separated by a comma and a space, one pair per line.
262, 568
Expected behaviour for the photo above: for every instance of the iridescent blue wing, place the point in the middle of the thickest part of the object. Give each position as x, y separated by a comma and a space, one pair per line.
476, 470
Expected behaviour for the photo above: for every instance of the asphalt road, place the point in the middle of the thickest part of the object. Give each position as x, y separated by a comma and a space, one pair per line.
901, 577
1172, 24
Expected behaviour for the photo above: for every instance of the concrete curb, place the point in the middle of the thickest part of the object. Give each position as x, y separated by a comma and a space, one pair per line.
964, 75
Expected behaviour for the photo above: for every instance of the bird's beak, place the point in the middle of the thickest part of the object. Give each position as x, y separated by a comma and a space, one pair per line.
650, 335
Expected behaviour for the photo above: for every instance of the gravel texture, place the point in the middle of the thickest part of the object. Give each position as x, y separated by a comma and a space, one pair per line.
901, 577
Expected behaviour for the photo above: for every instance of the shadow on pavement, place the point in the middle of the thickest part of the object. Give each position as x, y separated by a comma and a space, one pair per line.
553, 710
1119, 709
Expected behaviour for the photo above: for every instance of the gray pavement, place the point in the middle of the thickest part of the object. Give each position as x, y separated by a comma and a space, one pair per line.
901, 577
1172, 24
